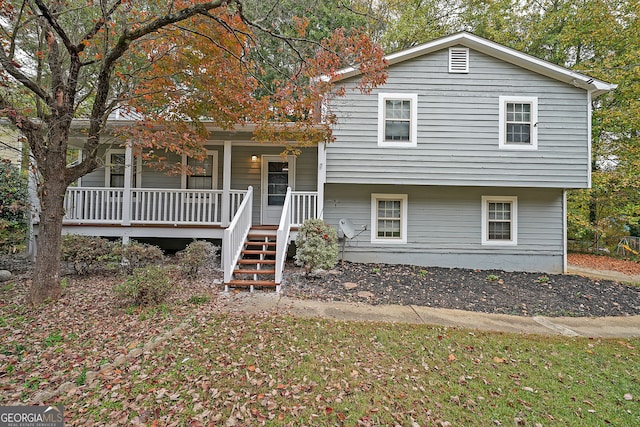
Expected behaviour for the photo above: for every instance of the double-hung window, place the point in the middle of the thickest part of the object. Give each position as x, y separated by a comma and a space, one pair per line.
389, 218
518, 122
116, 169
397, 119
203, 173
499, 220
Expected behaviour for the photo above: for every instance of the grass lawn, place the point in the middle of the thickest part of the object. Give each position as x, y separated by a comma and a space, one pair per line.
246, 370
253, 370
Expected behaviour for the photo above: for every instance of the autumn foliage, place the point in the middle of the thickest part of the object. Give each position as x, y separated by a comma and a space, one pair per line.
180, 67
201, 75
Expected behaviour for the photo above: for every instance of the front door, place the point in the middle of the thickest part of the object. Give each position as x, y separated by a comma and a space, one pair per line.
277, 175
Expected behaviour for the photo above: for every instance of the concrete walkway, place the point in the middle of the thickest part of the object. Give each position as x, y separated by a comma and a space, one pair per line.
260, 302
602, 274
605, 327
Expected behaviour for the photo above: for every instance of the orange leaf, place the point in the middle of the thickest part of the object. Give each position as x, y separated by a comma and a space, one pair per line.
452, 358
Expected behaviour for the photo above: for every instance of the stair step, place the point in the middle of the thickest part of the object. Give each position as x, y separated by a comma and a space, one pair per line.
248, 283
264, 227
260, 235
256, 252
254, 272
256, 261
259, 243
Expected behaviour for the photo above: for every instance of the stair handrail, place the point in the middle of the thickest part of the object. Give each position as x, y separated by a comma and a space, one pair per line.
282, 241
236, 234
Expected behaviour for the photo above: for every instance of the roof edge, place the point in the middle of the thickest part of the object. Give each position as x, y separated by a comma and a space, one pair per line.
595, 86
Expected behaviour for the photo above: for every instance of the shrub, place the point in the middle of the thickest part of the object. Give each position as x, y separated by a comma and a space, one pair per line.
14, 208
146, 286
196, 255
316, 245
85, 252
137, 255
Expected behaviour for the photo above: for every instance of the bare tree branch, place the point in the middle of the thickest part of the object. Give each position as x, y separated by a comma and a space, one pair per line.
105, 16
22, 78
53, 22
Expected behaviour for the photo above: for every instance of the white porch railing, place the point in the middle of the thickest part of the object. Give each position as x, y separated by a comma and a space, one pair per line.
282, 240
94, 205
236, 234
304, 205
156, 206
98, 205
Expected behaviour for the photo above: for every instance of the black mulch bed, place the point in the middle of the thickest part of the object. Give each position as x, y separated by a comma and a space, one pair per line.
489, 291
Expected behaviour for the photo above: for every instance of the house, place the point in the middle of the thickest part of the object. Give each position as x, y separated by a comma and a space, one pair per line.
10, 144
462, 159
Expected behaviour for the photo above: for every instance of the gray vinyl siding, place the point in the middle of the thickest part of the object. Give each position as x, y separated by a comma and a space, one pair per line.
444, 227
245, 173
458, 126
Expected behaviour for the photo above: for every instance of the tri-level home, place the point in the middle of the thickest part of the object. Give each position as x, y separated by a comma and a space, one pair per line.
462, 159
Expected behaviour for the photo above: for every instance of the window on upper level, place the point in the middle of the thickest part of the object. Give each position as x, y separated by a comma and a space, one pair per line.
397, 119
518, 122
499, 220
389, 218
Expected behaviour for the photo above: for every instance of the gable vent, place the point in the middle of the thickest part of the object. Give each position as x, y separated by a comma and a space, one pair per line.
458, 60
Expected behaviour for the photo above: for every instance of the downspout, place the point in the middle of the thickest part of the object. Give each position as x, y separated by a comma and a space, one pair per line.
565, 243
322, 178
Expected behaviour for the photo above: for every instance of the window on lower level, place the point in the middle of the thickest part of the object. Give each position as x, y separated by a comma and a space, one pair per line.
499, 220
115, 169
518, 123
203, 172
389, 218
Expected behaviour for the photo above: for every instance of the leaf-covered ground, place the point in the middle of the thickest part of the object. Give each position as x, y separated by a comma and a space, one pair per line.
188, 362
41, 349
603, 262
489, 291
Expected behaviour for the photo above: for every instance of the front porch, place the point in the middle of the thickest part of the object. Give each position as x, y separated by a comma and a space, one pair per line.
237, 185
176, 213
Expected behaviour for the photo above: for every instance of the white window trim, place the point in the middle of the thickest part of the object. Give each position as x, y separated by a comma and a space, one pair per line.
413, 131
107, 166
403, 218
514, 220
214, 170
502, 133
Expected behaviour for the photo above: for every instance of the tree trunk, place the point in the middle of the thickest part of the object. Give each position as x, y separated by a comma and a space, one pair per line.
46, 278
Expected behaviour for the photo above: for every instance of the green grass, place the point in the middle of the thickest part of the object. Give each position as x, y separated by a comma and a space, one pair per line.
273, 370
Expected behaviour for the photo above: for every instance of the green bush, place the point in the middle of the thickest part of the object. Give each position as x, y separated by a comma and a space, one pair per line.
196, 255
146, 286
14, 208
137, 255
86, 252
316, 245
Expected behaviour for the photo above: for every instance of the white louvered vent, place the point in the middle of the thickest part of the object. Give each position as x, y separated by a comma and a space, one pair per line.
458, 60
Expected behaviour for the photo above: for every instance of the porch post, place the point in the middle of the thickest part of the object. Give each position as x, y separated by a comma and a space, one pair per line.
322, 177
226, 185
126, 199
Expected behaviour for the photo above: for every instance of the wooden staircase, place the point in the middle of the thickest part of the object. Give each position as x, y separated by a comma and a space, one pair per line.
256, 266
